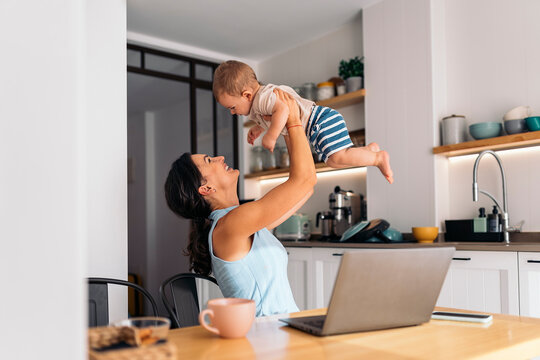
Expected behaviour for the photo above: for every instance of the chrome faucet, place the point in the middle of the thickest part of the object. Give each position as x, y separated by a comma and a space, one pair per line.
503, 210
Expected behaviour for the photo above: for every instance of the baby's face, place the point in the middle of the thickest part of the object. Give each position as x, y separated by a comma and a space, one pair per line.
239, 105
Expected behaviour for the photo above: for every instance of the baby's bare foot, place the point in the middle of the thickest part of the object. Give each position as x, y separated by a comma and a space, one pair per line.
383, 163
373, 147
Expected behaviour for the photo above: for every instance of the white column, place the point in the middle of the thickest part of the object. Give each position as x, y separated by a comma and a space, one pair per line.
106, 145
398, 107
42, 207
62, 176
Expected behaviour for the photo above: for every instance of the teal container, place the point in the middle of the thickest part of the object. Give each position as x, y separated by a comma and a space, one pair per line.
533, 123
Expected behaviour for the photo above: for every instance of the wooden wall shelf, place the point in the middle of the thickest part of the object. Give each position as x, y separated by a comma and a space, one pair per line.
515, 141
351, 98
354, 97
272, 174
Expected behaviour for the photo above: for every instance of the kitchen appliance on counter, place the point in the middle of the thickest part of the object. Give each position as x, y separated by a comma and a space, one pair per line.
347, 207
326, 221
374, 231
297, 227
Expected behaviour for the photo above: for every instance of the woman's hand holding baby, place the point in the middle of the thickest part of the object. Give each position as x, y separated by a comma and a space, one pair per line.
293, 115
278, 120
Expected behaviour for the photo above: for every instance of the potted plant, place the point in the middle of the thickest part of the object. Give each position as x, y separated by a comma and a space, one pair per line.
353, 72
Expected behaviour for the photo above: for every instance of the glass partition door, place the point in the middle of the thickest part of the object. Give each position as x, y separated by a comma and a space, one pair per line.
171, 110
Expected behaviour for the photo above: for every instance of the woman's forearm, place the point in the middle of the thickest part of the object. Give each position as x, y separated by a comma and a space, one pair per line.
302, 167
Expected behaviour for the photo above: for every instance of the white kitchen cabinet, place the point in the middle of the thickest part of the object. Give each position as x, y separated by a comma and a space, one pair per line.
300, 276
477, 280
325, 268
312, 273
529, 284
483, 281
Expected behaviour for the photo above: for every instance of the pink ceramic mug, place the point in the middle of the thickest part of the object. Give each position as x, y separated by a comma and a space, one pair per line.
230, 317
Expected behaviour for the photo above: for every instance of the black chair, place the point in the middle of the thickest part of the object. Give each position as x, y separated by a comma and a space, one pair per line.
98, 299
183, 290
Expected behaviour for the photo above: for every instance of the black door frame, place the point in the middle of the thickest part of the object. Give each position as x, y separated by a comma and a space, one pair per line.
194, 84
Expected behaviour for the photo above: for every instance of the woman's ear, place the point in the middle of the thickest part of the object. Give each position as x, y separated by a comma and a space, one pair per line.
206, 190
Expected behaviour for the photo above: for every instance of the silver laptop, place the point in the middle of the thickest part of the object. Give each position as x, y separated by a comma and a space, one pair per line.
381, 289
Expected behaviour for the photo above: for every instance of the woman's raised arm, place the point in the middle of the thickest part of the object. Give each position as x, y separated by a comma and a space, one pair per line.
284, 199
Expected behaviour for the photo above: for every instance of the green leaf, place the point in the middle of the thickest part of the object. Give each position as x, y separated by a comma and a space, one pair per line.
353, 67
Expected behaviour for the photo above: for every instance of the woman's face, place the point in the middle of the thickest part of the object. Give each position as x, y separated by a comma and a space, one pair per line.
215, 171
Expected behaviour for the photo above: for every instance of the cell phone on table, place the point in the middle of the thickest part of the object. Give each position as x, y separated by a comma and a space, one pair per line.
445, 315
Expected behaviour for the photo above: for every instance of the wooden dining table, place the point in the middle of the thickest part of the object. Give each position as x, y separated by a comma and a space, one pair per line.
505, 337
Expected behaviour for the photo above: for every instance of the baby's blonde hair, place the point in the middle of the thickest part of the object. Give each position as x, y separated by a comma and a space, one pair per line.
232, 77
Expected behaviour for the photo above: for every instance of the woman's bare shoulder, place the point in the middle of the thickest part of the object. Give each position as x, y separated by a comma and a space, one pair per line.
229, 240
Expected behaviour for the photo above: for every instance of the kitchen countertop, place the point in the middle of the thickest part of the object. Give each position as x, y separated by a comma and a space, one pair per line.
524, 242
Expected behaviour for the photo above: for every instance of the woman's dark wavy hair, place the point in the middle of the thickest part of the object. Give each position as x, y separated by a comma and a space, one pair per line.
183, 198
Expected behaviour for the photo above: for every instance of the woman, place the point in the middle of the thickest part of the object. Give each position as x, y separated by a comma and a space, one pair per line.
233, 241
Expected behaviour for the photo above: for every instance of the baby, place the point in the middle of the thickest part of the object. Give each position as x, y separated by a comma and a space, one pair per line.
236, 87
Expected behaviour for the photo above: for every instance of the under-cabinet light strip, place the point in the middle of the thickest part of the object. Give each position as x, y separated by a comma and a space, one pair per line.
532, 149
320, 175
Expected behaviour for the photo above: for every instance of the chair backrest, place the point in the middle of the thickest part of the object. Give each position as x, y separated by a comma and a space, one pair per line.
98, 299
184, 308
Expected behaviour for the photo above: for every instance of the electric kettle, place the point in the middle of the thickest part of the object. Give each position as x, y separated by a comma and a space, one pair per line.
296, 227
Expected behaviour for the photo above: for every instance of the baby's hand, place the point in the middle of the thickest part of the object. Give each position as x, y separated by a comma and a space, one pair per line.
268, 142
253, 133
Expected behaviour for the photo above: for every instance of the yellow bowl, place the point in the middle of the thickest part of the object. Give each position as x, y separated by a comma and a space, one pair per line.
425, 234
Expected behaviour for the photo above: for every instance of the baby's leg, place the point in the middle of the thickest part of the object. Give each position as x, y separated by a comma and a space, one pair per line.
363, 156
373, 147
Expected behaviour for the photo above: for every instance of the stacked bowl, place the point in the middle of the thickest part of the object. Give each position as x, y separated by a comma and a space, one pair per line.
515, 120
485, 130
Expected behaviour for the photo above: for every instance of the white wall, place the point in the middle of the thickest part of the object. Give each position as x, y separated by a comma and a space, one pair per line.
315, 61
483, 82
486, 81
399, 110
522, 178
53, 177
106, 146
439, 107
429, 58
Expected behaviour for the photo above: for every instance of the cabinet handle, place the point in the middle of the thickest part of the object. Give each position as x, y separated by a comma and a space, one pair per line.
288, 253
534, 261
462, 259
336, 254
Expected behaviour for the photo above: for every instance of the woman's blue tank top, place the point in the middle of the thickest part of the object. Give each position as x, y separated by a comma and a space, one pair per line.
261, 275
